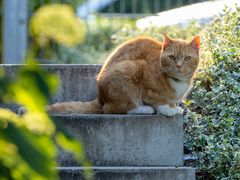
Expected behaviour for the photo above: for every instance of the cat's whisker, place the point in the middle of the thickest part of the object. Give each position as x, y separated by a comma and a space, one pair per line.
164, 69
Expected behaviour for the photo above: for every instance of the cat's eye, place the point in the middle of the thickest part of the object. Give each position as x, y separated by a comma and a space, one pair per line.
187, 58
171, 57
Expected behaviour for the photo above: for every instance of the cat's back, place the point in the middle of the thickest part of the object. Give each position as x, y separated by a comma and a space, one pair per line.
137, 48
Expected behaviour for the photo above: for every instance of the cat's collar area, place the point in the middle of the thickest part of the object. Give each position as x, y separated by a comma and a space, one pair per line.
175, 79
178, 79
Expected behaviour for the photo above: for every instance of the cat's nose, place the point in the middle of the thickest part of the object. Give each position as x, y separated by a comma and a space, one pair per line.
178, 66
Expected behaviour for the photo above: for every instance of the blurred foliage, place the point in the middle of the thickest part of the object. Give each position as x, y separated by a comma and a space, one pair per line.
212, 129
55, 24
1, 31
176, 31
28, 143
105, 34
97, 45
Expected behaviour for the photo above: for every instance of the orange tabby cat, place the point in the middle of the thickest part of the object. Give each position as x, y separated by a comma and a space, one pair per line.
142, 76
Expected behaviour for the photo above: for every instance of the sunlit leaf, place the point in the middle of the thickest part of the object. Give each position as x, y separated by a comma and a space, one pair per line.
40, 162
5, 173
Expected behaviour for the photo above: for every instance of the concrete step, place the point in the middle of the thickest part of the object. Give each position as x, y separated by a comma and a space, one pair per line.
126, 140
77, 81
130, 173
115, 140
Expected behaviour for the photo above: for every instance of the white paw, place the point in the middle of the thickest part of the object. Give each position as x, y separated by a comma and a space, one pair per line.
142, 110
168, 111
179, 110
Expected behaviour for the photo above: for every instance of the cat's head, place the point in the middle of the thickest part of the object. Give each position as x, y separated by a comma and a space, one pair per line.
180, 58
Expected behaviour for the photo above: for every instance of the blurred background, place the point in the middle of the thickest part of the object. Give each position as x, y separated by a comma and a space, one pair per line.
85, 31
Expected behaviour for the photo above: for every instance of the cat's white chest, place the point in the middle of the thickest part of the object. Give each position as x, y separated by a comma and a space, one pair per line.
179, 87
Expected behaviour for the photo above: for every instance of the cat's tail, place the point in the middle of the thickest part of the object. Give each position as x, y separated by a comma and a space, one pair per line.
90, 107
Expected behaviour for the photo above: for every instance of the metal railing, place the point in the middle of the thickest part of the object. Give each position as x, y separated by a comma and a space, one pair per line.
120, 7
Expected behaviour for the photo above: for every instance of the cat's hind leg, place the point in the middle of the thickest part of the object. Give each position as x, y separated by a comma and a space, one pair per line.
120, 89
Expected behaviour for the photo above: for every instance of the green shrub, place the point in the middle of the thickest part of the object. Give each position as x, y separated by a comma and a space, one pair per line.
68, 29
47, 32
212, 129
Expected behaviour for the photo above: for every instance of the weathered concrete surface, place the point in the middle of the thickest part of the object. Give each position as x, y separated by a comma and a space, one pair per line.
118, 140
77, 81
130, 173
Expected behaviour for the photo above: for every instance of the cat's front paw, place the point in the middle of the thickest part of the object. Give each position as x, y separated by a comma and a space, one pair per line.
168, 111
179, 110
142, 110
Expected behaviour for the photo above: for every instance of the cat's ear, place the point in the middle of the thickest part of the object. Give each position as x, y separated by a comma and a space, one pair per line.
166, 41
195, 43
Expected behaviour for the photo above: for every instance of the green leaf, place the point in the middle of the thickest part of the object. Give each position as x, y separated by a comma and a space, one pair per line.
41, 163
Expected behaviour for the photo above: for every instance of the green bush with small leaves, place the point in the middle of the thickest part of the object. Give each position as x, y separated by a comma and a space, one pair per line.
212, 127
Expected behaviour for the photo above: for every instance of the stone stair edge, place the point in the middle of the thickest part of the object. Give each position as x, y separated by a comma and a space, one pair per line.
126, 173
123, 167
52, 65
117, 117
113, 115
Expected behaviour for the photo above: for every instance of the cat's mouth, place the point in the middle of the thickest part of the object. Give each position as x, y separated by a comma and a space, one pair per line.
173, 71
180, 71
